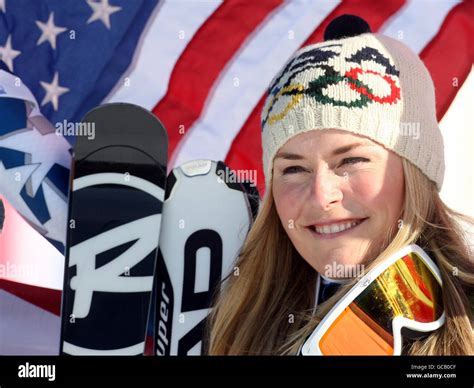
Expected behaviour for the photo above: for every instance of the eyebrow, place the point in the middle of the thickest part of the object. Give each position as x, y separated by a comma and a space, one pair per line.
337, 151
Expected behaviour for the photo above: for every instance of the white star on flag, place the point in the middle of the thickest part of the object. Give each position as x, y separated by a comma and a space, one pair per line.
8, 54
3, 6
102, 11
13, 180
53, 91
44, 151
49, 31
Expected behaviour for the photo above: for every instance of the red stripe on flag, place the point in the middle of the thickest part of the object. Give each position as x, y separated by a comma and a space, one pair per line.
450, 54
45, 298
203, 60
246, 150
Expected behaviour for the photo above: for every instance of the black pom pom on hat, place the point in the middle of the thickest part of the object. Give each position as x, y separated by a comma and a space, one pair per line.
345, 26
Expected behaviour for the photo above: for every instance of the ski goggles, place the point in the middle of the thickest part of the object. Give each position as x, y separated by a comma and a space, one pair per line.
402, 295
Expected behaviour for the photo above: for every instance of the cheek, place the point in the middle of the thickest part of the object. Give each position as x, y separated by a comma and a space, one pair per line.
381, 194
288, 201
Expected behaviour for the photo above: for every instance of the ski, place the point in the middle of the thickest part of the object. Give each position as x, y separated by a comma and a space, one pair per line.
115, 204
207, 214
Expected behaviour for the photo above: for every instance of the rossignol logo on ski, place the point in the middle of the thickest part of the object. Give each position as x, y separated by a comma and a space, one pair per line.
111, 277
140, 239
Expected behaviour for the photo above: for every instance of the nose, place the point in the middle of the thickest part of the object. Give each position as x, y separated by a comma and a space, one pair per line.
326, 190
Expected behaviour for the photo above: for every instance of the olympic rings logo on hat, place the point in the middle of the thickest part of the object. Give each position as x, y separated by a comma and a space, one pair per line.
319, 87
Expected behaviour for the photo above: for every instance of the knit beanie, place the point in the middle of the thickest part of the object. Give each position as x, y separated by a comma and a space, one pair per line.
360, 82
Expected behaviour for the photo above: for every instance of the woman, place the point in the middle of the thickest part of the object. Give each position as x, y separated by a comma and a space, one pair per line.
353, 161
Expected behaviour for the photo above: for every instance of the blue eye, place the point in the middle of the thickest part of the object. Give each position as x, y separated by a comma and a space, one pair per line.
292, 170
354, 160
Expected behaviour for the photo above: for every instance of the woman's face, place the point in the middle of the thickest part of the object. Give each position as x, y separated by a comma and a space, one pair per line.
337, 195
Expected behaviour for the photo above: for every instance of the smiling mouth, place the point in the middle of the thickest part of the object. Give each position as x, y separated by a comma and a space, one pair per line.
335, 230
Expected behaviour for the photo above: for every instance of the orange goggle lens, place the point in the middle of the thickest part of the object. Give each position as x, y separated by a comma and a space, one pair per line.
408, 288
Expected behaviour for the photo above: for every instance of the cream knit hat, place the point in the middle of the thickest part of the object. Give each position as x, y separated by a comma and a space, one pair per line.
360, 82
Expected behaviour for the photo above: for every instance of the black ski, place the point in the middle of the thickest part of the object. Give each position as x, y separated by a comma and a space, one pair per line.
115, 205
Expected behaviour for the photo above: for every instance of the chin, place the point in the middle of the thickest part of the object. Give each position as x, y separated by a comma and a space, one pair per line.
339, 256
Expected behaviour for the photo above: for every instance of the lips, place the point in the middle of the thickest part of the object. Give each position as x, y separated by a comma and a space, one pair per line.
335, 229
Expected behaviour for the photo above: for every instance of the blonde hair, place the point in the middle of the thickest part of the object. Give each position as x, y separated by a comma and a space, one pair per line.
267, 308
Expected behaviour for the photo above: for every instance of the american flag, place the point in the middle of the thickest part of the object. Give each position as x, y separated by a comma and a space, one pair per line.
203, 68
